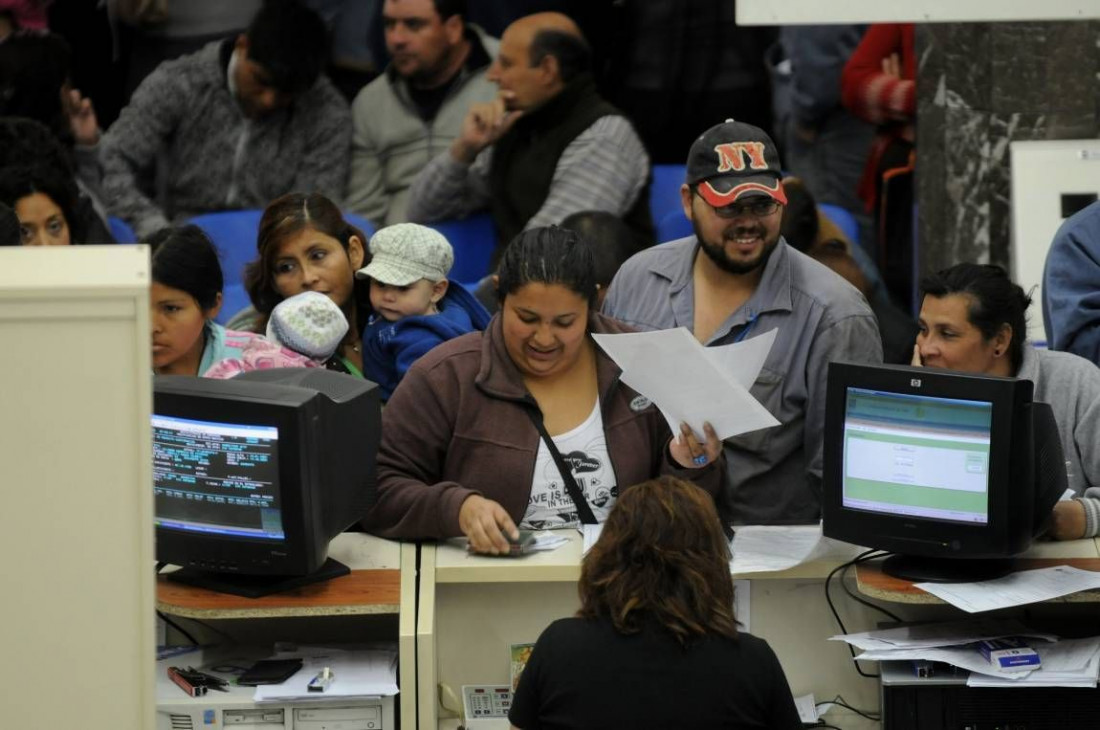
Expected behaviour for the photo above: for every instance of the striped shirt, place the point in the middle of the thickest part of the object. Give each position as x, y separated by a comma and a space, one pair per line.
604, 168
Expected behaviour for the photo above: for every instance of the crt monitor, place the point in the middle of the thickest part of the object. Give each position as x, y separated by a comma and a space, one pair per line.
255, 475
954, 472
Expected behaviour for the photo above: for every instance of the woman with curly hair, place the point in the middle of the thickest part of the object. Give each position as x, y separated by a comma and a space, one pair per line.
655, 643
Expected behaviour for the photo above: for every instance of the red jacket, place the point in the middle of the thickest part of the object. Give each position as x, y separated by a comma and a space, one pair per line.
457, 425
874, 96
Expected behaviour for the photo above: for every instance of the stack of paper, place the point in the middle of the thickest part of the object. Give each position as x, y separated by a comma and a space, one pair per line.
1066, 662
1016, 589
693, 384
356, 673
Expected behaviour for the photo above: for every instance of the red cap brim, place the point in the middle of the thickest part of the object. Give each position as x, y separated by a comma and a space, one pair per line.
760, 184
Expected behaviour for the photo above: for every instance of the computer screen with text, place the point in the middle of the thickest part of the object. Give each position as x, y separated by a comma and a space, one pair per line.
921, 456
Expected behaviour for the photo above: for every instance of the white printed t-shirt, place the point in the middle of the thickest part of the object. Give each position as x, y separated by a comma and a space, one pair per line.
585, 449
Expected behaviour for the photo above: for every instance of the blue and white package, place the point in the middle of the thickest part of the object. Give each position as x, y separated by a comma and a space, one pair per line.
1009, 654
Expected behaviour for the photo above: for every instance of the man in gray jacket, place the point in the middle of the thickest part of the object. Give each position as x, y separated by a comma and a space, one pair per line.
738, 278
236, 124
414, 110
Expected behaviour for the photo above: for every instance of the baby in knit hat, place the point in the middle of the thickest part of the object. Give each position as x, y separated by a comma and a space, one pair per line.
415, 308
303, 331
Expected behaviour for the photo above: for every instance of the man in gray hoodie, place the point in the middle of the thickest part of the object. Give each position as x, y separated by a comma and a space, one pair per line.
232, 126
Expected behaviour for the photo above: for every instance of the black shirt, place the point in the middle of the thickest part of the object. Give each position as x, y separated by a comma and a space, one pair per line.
584, 674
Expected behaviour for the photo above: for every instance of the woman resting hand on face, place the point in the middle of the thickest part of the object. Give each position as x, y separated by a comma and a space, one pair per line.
461, 453
972, 318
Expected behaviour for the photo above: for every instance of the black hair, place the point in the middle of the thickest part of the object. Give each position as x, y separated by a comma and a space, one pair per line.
21, 181
548, 255
800, 224
27, 142
610, 240
447, 8
572, 51
33, 69
184, 258
290, 42
995, 301
9, 227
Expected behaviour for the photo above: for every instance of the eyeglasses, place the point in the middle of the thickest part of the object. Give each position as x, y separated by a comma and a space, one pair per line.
758, 209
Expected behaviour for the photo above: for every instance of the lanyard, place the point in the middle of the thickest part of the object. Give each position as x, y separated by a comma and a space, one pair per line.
748, 326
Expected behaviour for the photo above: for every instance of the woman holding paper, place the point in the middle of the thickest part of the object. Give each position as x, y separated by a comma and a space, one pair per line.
972, 318
502, 428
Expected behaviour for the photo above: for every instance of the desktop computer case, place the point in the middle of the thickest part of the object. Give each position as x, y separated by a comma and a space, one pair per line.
946, 703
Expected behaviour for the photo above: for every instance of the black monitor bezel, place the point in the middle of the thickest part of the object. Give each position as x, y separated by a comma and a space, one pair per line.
248, 404
1008, 529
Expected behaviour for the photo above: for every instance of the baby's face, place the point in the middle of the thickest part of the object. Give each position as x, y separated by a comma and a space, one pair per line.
396, 302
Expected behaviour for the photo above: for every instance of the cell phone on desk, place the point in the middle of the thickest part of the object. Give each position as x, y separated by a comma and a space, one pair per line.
520, 546
270, 671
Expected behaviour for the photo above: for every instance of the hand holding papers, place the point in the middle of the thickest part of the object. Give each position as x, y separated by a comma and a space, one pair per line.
693, 384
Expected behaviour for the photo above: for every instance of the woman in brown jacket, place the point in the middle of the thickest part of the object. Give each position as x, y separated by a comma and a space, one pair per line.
461, 449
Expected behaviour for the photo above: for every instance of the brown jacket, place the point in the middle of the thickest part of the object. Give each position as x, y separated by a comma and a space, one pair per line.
457, 425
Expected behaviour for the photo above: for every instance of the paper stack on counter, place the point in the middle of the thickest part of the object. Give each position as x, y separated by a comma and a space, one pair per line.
354, 672
690, 383
1064, 662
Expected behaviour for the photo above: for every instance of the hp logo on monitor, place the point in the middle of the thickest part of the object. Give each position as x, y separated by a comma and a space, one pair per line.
915, 382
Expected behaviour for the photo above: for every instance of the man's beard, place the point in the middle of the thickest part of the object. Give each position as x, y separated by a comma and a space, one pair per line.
717, 252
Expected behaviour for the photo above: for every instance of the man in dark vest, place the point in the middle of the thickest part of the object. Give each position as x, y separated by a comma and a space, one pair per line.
546, 147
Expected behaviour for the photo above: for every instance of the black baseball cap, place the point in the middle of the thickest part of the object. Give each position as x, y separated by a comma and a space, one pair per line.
734, 160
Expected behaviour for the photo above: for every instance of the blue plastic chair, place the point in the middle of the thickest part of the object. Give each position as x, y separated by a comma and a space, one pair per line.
674, 225
234, 235
664, 195
474, 240
843, 220
120, 230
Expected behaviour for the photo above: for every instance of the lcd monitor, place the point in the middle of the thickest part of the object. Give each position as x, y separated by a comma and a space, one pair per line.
255, 475
954, 472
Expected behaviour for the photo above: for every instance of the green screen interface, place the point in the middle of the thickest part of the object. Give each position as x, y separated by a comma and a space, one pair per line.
917, 455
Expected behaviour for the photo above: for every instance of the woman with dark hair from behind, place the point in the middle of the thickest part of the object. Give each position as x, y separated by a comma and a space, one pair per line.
655, 643
974, 318
473, 436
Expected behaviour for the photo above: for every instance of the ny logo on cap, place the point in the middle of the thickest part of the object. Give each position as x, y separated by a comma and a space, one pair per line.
732, 155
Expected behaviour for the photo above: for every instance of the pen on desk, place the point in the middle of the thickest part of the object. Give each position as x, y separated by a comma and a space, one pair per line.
192, 689
321, 682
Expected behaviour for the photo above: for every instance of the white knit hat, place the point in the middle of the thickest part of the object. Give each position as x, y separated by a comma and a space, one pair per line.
309, 323
407, 252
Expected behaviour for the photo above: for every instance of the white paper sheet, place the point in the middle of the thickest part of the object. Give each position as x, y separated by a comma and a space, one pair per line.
357, 673
589, 535
933, 635
1017, 589
763, 548
807, 708
545, 541
686, 384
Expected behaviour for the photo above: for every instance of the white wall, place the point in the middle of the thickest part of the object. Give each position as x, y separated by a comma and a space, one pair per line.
794, 12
